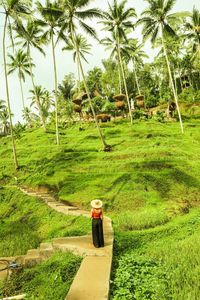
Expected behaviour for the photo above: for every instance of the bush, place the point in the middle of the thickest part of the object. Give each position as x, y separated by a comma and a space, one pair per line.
190, 96
160, 116
139, 279
139, 114
49, 280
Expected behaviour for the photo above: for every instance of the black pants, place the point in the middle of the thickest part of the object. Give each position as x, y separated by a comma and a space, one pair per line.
97, 232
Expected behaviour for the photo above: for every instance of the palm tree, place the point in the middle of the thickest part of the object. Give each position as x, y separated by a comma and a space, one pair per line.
51, 20
111, 44
2, 104
19, 63
42, 101
157, 19
84, 49
30, 36
4, 121
118, 21
76, 14
193, 34
29, 116
13, 9
174, 50
136, 55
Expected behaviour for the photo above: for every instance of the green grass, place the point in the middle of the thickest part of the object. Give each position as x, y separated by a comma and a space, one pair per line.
26, 221
159, 263
131, 175
150, 186
49, 280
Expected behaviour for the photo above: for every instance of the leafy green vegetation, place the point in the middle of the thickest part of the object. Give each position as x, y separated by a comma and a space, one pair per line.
49, 280
27, 221
149, 182
150, 187
160, 263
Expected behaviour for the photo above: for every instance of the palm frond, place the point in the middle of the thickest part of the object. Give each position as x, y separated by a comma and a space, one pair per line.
89, 30
89, 14
168, 30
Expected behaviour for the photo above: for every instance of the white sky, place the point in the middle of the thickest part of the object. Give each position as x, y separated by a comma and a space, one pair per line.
65, 65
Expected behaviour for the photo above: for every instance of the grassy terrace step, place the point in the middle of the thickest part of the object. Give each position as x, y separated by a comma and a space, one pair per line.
50, 279
150, 186
26, 222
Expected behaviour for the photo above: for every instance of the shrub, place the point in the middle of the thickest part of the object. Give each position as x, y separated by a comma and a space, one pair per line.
49, 280
139, 279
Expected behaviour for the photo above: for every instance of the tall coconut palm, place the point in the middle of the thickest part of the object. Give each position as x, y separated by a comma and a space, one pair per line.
42, 101
158, 21
112, 45
29, 117
19, 62
51, 21
118, 20
84, 49
76, 13
4, 121
2, 104
136, 55
193, 32
174, 50
14, 10
29, 35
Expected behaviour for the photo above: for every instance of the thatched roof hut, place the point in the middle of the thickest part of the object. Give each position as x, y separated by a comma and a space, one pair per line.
139, 97
119, 97
120, 104
77, 101
77, 108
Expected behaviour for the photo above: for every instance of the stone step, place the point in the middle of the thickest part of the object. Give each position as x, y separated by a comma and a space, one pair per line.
32, 257
33, 252
72, 208
46, 250
31, 260
92, 280
93, 277
18, 297
46, 246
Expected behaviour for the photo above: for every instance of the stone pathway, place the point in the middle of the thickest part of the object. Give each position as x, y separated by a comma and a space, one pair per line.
92, 280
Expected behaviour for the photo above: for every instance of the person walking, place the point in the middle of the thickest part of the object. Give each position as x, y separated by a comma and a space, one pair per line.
97, 223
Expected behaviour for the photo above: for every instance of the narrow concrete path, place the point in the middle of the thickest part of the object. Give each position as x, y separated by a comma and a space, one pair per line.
92, 281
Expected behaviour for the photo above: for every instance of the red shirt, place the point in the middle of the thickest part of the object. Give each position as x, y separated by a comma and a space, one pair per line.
96, 213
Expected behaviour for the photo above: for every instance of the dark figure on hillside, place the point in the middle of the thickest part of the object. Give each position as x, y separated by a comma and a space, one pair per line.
97, 223
171, 109
103, 117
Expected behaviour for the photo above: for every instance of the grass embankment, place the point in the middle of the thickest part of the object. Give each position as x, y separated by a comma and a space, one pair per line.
49, 280
26, 221
150, 185
159, 263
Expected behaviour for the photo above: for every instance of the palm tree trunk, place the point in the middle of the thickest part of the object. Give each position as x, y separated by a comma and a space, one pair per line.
124, 80
171, 81
136, 79
175, 85
33, 83
7, 95
120, 83
79, 76
30, 65
56, 92
179, 74
22, 93
105, 146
